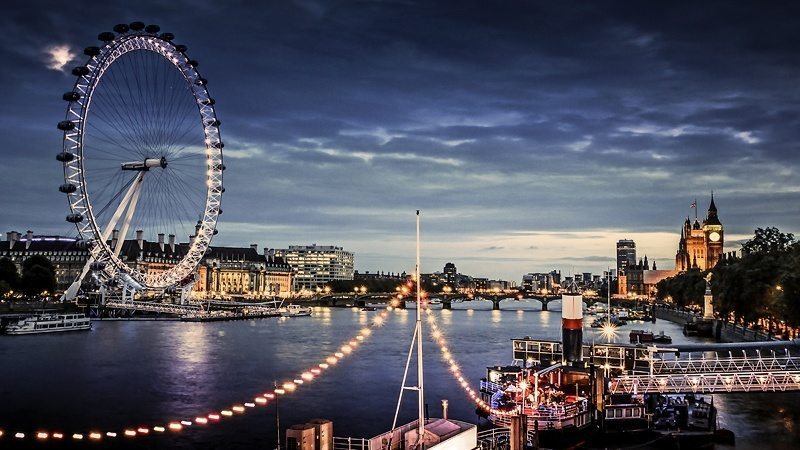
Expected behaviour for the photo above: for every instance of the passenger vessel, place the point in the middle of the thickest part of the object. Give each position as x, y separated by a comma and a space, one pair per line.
296, 311
49, 323
569, 403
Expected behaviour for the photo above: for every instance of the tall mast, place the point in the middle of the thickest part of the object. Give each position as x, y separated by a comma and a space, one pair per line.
420, 372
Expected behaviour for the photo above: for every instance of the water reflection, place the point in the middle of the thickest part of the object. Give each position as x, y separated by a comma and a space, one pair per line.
130, 373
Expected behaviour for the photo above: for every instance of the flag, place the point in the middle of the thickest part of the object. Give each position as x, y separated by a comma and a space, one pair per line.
693, 205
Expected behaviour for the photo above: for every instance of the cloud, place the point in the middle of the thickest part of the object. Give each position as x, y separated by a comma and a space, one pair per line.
491, 248
59, 56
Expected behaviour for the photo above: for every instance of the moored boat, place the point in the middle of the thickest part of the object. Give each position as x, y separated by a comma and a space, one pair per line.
296, 311
49, 323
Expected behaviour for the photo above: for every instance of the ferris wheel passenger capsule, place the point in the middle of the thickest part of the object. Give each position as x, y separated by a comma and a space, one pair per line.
91, 51
67, 188
66, 125
121, 28
106, 36
75, 218
71, 96
80, 71
65, 156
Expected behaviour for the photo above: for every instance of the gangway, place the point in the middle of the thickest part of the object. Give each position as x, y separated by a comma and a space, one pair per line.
710, 368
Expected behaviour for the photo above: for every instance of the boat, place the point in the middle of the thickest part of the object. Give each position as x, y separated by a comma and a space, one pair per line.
296, 311
369, 308
641, 337
49, 323
697, 326
662, 338
555, 396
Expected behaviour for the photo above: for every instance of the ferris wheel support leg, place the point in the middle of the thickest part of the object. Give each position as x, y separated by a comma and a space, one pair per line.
72, 291
134, 192
186, 293
126, 199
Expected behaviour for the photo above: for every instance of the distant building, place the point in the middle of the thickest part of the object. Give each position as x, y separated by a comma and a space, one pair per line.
316, 265
450, 275
379, 276
63, 252
536, 282
641, 280
626, 255
700, 246
224, 272
227, 272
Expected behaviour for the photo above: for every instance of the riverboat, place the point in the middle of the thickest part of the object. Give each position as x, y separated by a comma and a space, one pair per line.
49, 323
296, 311
568, 402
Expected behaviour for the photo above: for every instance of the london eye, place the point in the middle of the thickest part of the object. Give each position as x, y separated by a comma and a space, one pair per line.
142, 155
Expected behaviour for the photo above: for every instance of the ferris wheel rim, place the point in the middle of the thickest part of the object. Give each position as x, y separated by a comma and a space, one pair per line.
79, 198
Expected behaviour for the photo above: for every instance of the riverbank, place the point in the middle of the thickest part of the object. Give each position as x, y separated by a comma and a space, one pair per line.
723, 331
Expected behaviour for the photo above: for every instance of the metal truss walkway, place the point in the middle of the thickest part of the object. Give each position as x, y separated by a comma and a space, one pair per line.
740, 367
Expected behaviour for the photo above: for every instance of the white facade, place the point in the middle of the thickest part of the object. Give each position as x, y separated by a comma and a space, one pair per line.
316, 265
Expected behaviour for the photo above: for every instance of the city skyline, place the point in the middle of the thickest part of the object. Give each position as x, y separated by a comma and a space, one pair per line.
531, 136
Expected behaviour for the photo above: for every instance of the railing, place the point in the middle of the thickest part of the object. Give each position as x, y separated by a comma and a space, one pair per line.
758, 381
154, 307
770, 363
500, 439
349, 443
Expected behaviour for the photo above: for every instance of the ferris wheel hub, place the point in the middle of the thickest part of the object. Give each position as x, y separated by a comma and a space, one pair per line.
147, 164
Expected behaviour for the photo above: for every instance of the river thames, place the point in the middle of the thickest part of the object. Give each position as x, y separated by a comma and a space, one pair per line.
140, 373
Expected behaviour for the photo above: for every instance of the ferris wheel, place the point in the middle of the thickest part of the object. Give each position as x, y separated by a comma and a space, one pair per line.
142, 156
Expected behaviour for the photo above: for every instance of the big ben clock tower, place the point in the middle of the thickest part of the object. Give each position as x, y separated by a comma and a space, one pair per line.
714, 234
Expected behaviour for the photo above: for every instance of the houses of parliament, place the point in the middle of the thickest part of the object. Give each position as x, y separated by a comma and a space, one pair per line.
700, 246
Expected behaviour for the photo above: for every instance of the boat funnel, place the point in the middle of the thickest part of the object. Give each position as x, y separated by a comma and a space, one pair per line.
572, 325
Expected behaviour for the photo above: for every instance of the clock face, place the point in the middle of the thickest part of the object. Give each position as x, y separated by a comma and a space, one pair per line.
714, 236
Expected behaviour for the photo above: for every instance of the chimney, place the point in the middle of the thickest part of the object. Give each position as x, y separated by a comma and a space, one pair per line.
254, 247
12, 238
28, 239
172, 243
114, 238
140, 239
161, 241
444, 409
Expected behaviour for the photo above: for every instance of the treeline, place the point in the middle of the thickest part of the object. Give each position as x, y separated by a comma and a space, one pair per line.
764, 283
38, 277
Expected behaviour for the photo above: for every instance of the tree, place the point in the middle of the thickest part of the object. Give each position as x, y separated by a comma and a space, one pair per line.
768, 240
38, 260
38, 275
748, 288
4, 288
8, 273
38, 279
686, 288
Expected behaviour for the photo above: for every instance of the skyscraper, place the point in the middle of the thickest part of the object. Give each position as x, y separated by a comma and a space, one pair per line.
626, 255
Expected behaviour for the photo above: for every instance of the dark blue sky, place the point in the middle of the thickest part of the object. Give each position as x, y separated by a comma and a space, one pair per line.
532, 135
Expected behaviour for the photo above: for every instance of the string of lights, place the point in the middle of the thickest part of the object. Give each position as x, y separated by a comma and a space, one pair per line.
284, 388
455, 370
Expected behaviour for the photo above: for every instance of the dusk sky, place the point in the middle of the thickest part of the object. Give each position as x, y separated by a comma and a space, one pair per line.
531, 135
